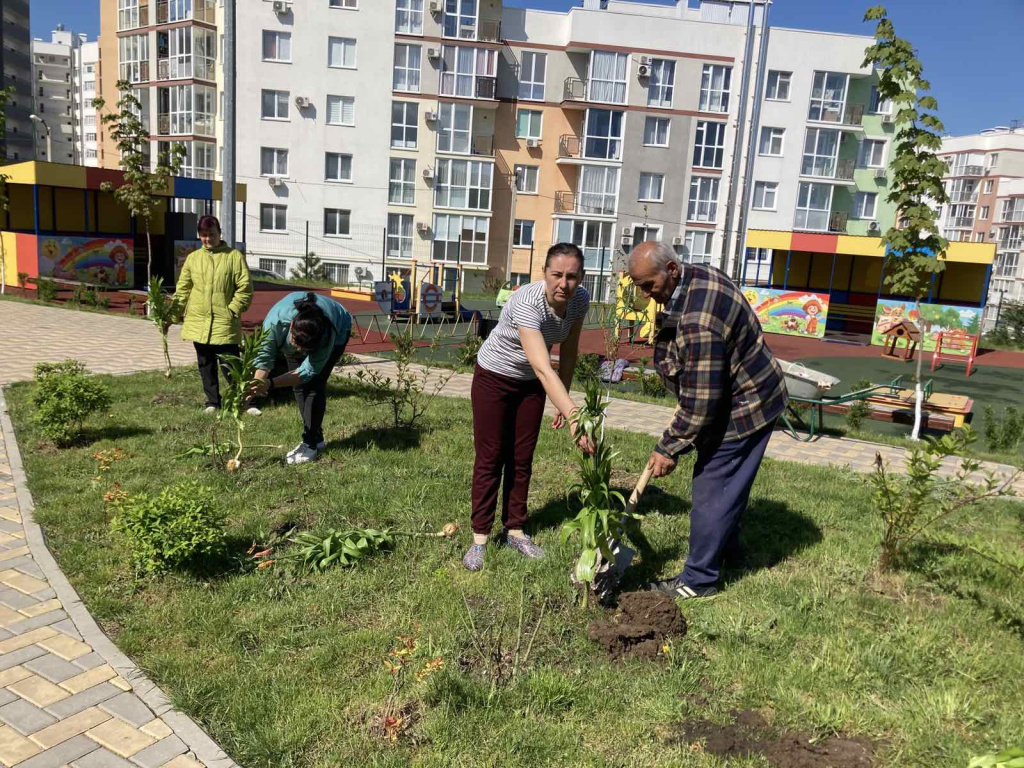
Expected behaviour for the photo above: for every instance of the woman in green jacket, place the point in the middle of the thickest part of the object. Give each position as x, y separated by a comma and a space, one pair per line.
213, 291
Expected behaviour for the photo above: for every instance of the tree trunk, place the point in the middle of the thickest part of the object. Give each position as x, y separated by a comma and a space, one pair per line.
918, 391
3, 268
149, 257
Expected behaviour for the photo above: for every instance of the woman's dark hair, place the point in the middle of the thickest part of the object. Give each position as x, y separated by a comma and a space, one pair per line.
563, 249
309, 323
208, 224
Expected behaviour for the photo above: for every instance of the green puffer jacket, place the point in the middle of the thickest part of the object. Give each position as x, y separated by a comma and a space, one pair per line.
213, 291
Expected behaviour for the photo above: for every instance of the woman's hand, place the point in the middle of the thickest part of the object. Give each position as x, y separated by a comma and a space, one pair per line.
580, 437
558, 422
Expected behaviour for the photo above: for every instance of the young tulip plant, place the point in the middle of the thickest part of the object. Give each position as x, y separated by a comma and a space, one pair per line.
601, 519
240, 372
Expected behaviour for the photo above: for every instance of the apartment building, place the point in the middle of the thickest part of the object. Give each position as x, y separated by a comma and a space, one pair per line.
85, 72
16, 72
168, 50
64, 71
1007, 282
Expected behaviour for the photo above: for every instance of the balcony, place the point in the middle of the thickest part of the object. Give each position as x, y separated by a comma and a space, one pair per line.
829, 169
964, 196
185, 69
135, 72
837, 221
821, 221
960, 222
483, 146
486, 87
969, 170
184, 124
851, 117
1011, 244
489, 31
167, 12
572, 150
588, 204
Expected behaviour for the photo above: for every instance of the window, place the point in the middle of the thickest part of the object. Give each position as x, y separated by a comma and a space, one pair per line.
336, 273
341, 52
828, 97
812, 207
642, 234
697, 249
337, 167
273, 218
89, 120
652, 187
404, 126
526, 179
468, 72
656, 132
771, 141
522, 233
660, 82
127, 14
351, 4
273, 161
872, 154
1006, 264
595, 238
277, 46
519, 278
864, 205
468, 231
598, 190
764, 195
460, 19
402, 182
275, 105
463, 184
278, 266
714, 88
988, 186
133, 58
528, 123
877, 105
778, 85
407, 68
399, 235
821, 150
453, 128
409, 17
336, 221
984, 213
603, 135
709, 146
993, 159
608, 77
979, 237
90, 137
531, 76
341, 110
703, 204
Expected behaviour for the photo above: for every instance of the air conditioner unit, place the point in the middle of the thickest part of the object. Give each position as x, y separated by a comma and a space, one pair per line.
643, 71
627, 240
301, 102
888, 119
677, 240
627, 231
872, 226
280, 7
430, 117
992, 234
532, 143
422, 227
433, 53
645, 59
428, 173
435, 6
275, 181
880, 173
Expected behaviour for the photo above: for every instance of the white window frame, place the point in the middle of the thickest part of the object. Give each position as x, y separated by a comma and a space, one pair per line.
342, 100
592, 140
657, 121
860, 205
133, 53
817, 161
595, 240
827, 101
405, 126
869, 148
769, 136
535, 123
279, 217
463, 67
654, 189
347, 46
661, 83
703, 150
783, 81
877, 105
715, 97
449, 231
606, 90
475, 191
277, 266
984, 212
277, 36
465, 23
519, 228
531, 87
400, 235
992, 160
409, 17
128, 14
339, 158
763, 192
450, 138
707, 238
702, 205
989, 184
402, 181
280, 98
344, 5
336, 272
337, 213
278, 157
805, 212
603, 201
404, 53
524, 174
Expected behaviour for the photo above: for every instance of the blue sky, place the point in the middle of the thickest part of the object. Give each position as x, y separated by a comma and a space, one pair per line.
971, 50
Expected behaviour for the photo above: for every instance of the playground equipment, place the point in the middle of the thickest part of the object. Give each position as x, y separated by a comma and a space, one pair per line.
951, 348
634, 312
901, 330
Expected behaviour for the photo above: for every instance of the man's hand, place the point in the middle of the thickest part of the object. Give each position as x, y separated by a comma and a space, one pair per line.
662, 465
258, 388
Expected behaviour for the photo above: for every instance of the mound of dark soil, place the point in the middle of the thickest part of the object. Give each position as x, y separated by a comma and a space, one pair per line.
750, 735
640, 627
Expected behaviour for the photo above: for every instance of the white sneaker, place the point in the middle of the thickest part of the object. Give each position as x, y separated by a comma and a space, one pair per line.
253, 411
292, 456
210, 410
305, 454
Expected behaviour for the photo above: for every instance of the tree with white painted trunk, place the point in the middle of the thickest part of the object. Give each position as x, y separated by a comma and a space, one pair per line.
915, 250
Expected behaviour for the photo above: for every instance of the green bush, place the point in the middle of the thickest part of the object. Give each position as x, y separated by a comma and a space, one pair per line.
65, 396
46, 290
859, 409
650, 384
1005, 434
170, 530
465, 353
588, 367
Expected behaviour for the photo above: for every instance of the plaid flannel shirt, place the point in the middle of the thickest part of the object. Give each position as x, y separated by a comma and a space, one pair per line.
711, 354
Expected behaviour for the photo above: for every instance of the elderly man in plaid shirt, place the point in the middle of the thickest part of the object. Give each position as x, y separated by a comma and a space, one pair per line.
711, 354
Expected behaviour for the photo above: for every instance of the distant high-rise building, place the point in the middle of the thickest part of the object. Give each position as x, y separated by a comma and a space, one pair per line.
84, 77
55, 97
16, 71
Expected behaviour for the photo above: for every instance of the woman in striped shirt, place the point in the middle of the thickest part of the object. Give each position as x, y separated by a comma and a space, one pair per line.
512, 377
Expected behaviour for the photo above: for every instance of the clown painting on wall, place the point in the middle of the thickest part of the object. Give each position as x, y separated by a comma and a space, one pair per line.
795, 313
94, 260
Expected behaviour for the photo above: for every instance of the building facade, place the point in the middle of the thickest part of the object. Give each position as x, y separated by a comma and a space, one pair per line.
16, 72
85, 126
64, 77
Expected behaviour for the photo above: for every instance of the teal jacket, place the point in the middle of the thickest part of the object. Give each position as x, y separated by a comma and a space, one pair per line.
278, 323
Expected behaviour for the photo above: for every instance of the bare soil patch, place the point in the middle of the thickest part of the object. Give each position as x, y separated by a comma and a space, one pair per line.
640, 627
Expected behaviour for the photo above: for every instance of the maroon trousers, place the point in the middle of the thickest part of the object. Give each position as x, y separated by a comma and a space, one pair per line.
506, 422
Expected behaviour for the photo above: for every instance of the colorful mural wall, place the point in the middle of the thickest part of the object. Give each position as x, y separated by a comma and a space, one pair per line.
96, 260
936, 317
796, 313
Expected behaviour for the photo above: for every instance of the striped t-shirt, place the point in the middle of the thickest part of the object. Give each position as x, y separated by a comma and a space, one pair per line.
502, 352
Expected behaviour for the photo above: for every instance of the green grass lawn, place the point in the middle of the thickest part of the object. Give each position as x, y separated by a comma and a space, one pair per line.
927, 663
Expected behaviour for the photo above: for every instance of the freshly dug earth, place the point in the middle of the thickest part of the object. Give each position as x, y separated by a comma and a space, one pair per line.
750, 735
640, 627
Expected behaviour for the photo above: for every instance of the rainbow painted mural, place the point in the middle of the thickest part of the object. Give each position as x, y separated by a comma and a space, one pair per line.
95, 260
796, 313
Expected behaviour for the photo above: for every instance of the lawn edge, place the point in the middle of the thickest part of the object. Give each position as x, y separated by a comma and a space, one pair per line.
184, 727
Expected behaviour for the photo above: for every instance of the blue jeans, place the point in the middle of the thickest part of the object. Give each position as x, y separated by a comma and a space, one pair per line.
722, 478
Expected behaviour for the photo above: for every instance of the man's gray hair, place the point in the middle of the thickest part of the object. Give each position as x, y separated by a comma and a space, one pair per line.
659, 254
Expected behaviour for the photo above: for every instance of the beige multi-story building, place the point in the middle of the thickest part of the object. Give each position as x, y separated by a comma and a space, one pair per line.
1007, 282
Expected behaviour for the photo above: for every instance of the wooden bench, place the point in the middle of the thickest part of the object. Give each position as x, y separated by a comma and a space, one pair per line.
955, 348
897, 413
852, 313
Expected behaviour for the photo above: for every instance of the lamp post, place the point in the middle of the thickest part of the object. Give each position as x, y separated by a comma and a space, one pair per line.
49, 141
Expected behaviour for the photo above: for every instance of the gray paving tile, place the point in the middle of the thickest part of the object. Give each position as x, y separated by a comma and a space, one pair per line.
16, 600
44, 594
42, 620
68, 628
20, 656
18, 561
129, 708
87, 698
8, 527
53, 668
6, 697
162, 752
62, 754
90, 660
31, 568
101, 758
24, 717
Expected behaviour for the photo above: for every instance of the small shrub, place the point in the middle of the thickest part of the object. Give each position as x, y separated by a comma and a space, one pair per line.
22, 280
492, 284
650, 384
46, 290
161, 311
859, 409
1008, 758
465, 353
170, 530
65, 396
588, 367
1003, 435
314, 553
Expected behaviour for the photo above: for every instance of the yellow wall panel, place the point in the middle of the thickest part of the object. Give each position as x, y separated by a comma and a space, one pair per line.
766, 238
861, 246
